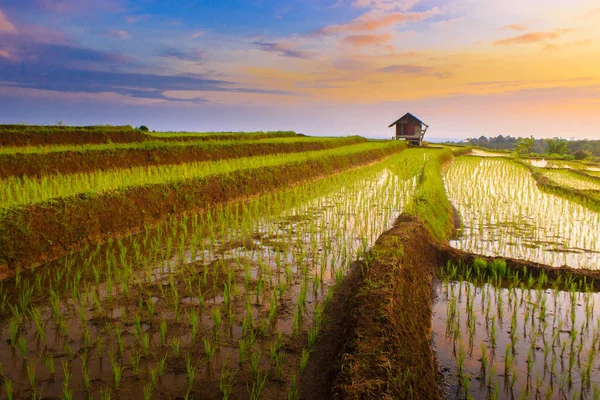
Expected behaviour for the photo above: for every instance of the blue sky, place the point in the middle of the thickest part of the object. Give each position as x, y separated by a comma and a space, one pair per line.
315, 66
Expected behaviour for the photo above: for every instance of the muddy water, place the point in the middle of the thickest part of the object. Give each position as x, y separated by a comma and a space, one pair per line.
112, 301
537, 343
503, 213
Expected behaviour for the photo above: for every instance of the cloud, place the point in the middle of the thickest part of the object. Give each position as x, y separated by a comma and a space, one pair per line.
577, 43
375, 20
197, 34
514, 27
402, 5
181, 54
533, 37
367, 40
138, 85
116, 34
520, 83
411, 69
27, 48
7, 55
283, 49
5, 25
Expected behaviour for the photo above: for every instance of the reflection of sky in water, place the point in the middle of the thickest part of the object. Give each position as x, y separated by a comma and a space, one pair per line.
557, 331
504, 214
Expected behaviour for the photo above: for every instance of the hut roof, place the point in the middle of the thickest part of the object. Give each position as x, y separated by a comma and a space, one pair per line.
407, 115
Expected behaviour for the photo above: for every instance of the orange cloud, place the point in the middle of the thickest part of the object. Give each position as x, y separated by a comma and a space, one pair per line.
412, 69
514, 27
372, 21
366, 40
533, 37
5, 25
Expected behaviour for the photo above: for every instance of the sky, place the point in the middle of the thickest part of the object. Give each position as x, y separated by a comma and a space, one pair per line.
321, 67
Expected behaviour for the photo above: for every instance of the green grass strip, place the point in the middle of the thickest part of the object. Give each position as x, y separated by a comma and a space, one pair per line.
430, 203
162, 145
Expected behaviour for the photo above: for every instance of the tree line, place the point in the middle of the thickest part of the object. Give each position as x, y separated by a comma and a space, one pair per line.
578, 149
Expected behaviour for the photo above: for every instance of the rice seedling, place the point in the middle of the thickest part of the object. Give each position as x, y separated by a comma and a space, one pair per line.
176, 344
22, 346
190, 370
226, 381
163, 332
304, 360
8, 389
117, 370
209, 350
294, 393
258, 384
254, 362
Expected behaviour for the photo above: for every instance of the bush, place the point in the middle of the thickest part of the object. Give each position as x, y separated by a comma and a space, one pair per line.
144, 128
581, 154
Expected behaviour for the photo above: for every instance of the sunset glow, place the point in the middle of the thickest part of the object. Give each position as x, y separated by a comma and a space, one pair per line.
321, 67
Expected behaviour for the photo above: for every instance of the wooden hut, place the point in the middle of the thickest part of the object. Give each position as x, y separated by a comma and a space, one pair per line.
410, 128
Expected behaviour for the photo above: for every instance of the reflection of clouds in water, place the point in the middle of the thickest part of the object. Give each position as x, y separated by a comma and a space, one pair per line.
505, 214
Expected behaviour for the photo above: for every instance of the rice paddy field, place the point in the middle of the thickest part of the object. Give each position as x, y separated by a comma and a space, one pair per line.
213, 276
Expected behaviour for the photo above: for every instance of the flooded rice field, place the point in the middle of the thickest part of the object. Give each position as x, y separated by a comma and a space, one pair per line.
573, 180
225, 304
503, 213
500, 335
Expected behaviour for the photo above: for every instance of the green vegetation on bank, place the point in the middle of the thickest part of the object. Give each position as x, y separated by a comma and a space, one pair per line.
173, 146
430, 203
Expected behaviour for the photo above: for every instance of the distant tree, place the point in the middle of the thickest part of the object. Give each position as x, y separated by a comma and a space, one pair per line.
524, 145
557, 146
144, 128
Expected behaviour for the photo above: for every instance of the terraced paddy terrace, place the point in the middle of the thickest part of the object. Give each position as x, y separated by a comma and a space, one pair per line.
272, 265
